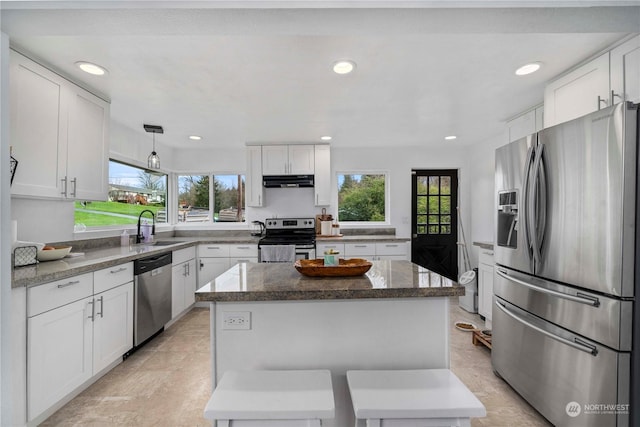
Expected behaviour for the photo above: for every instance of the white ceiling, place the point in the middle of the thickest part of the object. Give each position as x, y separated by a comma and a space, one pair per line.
243, 74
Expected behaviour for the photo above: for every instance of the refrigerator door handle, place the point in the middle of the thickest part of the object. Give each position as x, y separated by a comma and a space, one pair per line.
577, 343
536, 204
583, 299
525, 187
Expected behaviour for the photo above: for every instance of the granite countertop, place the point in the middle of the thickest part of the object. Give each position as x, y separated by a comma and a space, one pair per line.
98, 258
281, 281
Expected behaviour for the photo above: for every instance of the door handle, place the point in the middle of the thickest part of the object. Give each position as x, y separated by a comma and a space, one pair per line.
93, 311
74, 181
582, 299
576, 343
73, 282
101, 299
64, 184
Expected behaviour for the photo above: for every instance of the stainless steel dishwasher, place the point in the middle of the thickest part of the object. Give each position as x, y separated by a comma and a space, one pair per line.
152, 296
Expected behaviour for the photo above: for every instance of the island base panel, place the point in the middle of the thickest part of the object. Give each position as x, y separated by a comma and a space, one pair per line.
338, 335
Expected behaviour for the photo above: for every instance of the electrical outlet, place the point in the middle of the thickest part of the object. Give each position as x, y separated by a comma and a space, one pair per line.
238, 320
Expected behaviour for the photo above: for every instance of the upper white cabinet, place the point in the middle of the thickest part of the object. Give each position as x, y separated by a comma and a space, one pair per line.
322, 184
525, 124
625, 71
582, 91
59, 134
288, 159
254, 191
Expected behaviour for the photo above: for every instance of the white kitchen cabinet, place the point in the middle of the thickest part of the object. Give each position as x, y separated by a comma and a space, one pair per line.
321, 248
59, 353
59, 135
360, 250
525, 124
254, 190
393, 251
580, 92
625, 71
322, 175
375, 251
76, 328
288, 159
215, 259
113, 325
485, 284
183, 286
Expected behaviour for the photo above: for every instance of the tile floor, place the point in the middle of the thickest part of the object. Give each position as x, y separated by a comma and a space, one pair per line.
167, 382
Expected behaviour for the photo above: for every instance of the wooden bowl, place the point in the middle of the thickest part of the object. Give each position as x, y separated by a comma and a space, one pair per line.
347, 267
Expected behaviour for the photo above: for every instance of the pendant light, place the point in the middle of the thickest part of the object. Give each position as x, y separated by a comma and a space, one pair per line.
153, 161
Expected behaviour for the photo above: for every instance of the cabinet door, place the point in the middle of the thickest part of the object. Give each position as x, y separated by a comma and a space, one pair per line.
38, 130
485, 284
625, 71
582, 91
360, 250
275, 160
190, 281
301, 160
321, 248
178, 274
210, 268
521, 126
113, 325
254, 195
87, 152
322, 184
59, 348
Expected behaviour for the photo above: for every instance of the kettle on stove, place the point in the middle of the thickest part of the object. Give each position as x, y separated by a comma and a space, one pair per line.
258, 228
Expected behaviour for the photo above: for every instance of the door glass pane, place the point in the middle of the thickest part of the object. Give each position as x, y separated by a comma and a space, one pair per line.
422, 184
445, 219
422, 229
434, 219
445, 229
422, 219
434, 205
434, 185
445, 185
422, 204
433, 229
445, 204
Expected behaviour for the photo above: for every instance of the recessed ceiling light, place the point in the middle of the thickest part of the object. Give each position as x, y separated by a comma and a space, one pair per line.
344, 67
528, 68
325, 138
90, 68
195, 137
450, 137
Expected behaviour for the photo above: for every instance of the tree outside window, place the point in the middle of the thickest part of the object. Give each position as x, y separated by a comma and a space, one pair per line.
361, 197
198, 202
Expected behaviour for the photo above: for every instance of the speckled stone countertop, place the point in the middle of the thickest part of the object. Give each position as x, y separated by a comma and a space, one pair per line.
98, 258
281, 281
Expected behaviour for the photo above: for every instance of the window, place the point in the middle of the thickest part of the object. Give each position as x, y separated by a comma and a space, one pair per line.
362, 198
198, 201
131, 190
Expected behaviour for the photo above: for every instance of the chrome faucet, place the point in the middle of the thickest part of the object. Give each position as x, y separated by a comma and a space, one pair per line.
153, 227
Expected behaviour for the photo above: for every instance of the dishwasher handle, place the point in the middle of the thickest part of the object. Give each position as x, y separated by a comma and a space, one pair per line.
144, 265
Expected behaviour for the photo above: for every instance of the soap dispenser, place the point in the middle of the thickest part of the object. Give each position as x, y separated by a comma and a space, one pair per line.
124, 238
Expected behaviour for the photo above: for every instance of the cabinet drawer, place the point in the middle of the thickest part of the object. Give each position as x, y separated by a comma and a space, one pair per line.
55, 294
357, 249
111, 277
486, 257
322, 247
182, 255
394, 248
243, 251
213, 250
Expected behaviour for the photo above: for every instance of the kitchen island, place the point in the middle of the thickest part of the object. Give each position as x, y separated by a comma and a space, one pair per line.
269, 316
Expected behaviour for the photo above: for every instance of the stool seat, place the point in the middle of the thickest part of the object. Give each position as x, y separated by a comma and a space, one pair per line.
412, 394
272, 395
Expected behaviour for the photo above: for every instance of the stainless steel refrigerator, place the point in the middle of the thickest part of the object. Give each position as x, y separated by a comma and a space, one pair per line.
565, 277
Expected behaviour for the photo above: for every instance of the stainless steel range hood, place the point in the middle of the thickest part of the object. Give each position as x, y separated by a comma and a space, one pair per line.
287, 181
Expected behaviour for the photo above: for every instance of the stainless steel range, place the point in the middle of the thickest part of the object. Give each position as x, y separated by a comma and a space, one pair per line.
297, 232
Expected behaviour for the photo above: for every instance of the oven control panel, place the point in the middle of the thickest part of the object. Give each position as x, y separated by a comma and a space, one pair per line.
290, 223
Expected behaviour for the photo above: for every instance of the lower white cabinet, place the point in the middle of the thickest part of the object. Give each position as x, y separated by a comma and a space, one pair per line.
215, 259
485, 284
376, 251
74, 334
183, 285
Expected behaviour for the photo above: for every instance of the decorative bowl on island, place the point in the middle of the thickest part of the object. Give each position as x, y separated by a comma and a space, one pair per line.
346, 267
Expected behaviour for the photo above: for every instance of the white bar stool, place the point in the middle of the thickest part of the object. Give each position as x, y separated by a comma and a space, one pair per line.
402, 398
272, 399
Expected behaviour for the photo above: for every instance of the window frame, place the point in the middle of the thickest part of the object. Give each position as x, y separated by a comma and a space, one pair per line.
211, 211
387, 198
